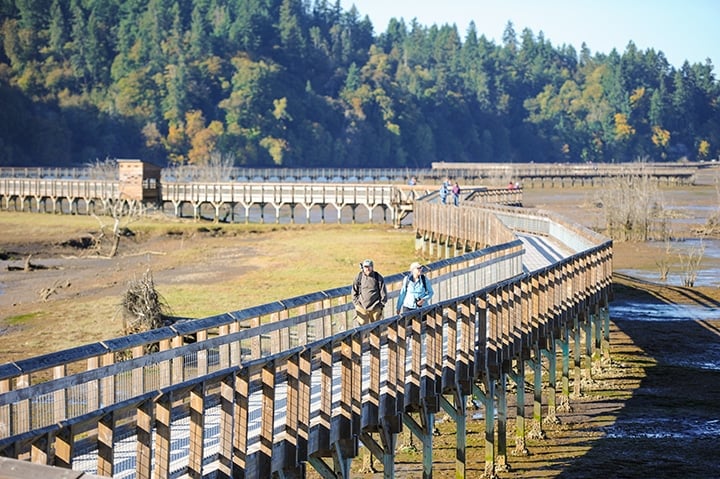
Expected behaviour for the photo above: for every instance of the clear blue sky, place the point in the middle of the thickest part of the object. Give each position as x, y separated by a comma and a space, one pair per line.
681, 29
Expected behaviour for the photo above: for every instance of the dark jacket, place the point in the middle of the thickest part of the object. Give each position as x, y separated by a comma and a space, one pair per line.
368, 291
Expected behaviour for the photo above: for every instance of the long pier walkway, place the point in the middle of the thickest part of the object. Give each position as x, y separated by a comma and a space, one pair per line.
234, 202
282, 388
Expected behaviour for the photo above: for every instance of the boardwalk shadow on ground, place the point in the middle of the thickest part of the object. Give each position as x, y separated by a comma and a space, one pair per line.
652, 412
655, 412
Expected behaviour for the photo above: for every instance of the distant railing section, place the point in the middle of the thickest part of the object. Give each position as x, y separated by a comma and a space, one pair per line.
530, 174
570, 174
466, 228
71, 173
238, 202
60, 188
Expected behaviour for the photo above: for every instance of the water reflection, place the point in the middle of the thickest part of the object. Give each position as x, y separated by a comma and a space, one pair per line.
643, 311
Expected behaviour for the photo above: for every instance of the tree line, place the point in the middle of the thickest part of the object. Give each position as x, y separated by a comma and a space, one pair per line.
305, 83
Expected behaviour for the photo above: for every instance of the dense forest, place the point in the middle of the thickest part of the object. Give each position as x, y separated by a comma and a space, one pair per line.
306, 83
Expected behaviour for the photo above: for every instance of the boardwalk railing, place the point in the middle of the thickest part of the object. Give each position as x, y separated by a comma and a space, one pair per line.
272, 389
236, 202
57, 196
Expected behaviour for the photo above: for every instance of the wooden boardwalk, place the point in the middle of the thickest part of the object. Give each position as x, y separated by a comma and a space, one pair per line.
283, 387
536, 175
236, 202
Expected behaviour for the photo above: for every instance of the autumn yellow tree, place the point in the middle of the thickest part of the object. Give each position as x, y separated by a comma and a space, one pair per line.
203, 139
661, 139
623, 129
703, 150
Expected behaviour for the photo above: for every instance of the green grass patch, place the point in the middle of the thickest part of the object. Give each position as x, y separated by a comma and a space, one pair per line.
21, 319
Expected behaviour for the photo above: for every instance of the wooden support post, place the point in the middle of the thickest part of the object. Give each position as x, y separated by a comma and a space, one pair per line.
371, 402
227, 388
597, 328
143, 432
342, 459
319, 439
519, 379
424, 432
40, 452
488, 400
285, 455
178, 363
23, 413
64, 448
163, 419
197, 432
460, 435
605, 314
537, 425
202, 355
551, 354
587, 330
241, 413
577, 357
344, 442
565, 348
59, 396
105, 442
457, 412
389, 440
501, 463
428, 428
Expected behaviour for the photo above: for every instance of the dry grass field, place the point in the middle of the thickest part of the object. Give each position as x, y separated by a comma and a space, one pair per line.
73, 295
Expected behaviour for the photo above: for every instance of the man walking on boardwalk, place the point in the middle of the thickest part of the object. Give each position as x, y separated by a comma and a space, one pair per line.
369, 294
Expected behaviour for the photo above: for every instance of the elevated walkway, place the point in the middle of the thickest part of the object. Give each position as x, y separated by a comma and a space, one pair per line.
273, 390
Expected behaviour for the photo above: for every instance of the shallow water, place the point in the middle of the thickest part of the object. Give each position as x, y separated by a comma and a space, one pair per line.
642, 311
659, 428
708, 273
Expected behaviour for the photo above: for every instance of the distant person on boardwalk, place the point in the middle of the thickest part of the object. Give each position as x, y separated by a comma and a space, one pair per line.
412, 181
511, 186
416, 290
456, 194
369, 294
444, 191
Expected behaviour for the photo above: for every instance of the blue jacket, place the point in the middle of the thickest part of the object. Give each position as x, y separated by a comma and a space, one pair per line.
413, 290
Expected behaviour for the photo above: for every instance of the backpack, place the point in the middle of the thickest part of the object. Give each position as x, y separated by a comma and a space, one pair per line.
422, 277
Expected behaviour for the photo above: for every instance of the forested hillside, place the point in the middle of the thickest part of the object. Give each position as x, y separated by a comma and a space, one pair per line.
305, 83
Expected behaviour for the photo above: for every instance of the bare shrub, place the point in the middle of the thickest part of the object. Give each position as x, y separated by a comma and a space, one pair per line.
123, 213
690, 264
633, 208
663, 262
142, 308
